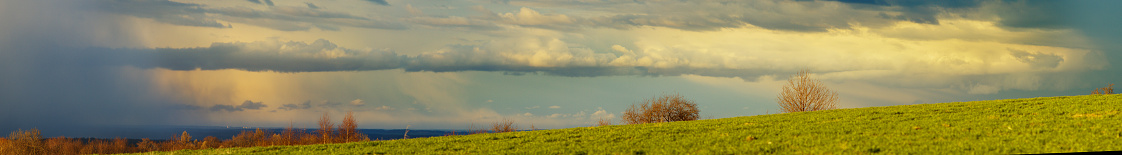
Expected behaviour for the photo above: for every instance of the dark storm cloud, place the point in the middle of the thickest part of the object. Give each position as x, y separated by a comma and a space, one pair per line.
379, 2
915, 11
310, 5
323, 55
1035, 14
1014, 13
296, 57
300, 18
709, 15
1098, 21
266, 2
330, 105
247, 105
305, 105
917, 3
162, 11
796, 15
50, 80
285, 18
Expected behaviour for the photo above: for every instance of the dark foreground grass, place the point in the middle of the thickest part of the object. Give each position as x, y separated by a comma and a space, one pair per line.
1013, 126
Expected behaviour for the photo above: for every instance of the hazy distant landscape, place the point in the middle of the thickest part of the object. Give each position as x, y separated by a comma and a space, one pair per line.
559, 76
1012, 126
165, 132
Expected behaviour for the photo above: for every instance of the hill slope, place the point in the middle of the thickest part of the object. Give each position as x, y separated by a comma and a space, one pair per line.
1034, 125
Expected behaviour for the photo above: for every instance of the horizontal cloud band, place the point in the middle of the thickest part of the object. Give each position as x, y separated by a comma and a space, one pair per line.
323, 56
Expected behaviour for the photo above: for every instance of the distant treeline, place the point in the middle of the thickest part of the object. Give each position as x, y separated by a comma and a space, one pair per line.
31, 141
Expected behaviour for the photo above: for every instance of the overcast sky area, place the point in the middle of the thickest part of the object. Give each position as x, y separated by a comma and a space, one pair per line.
448, 64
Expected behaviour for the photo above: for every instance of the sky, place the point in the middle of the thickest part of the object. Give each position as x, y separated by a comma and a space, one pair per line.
451, 64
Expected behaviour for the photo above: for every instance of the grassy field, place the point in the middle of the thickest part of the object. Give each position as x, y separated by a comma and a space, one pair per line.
1034, 125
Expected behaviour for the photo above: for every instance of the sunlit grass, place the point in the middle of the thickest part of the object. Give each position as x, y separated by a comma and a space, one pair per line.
1034, 125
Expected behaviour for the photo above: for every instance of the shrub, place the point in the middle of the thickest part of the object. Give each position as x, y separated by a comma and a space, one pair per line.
249, 139
5, 145
95, 146
667, 108
147, 145
25, 142
63, 145
210, 142
805, 94
604, 122
473, 130
286, 137
1109, 89
308, 138
503, 126
120, 145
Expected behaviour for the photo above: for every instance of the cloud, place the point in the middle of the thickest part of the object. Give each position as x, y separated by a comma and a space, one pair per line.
358, 102
557, 115
555, 107
379, 2
353, 105
247, 105
455, 22
288, 18
583, 116
49, 83
385, 108
413, 11
284, 18
534, 107
305, 105
983, 89
1033, 14
163, 11
914, 11
322, 55
711, 15
1037, 60
804, 16
266, 2
312, 6
529, 17
601, 114
654, 53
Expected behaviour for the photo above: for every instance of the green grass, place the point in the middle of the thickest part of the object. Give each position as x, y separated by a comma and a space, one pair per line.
1013, 126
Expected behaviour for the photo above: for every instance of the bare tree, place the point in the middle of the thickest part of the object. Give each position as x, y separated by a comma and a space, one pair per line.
805, 94
666, 108
325, 128
348, 131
